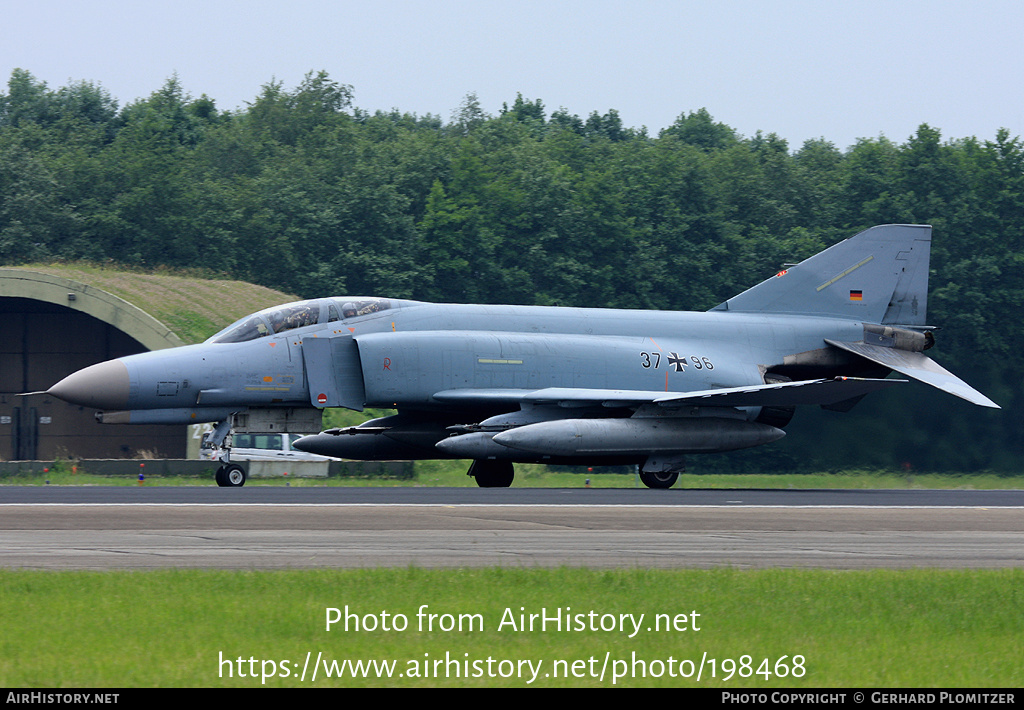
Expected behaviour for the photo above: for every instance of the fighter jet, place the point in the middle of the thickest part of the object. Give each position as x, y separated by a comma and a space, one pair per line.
509, 384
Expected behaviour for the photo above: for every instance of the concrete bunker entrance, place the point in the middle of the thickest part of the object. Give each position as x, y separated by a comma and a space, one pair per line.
46, 341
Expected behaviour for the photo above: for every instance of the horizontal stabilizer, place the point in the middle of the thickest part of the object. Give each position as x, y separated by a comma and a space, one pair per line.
784, 394
919, 366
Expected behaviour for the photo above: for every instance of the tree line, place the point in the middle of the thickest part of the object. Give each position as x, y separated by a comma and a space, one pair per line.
303, 191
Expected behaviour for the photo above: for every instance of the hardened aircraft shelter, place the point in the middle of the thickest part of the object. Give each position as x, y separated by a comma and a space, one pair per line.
57, 323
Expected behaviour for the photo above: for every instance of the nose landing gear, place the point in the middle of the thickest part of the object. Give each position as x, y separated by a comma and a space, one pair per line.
229, 475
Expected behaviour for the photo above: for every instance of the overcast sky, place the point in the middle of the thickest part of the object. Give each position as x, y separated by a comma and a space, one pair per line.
814, 69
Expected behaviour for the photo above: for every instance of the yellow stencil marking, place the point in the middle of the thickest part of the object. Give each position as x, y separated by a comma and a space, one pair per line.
848, 271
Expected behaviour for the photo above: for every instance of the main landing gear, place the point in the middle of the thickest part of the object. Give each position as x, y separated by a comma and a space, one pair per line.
230, 475
499, 474
659, 479
661, 471
492, 474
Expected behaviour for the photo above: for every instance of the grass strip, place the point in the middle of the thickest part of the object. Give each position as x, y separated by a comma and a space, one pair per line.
189, 628
453, 474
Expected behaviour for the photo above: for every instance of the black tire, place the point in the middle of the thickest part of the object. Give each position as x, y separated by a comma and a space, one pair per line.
659, 479
492, 474
231, 476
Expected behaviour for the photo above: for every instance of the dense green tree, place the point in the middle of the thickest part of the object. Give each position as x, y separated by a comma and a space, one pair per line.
700, 129
32, 218
27, 101
303, 191
524, 110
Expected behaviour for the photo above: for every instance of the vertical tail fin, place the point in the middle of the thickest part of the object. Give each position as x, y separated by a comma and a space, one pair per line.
878, 276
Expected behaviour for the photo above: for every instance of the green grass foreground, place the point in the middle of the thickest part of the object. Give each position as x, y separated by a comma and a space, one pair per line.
453, 474
881, 628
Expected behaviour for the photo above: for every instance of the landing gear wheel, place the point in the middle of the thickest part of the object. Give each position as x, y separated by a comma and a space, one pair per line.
659, 479
492, 474
231, 476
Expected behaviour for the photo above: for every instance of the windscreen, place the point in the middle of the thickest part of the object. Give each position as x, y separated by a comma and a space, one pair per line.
271, 321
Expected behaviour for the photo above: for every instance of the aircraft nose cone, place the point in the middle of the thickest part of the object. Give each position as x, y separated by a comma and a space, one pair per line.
101, 386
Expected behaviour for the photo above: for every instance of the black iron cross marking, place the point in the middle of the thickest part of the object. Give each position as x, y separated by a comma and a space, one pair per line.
679, 362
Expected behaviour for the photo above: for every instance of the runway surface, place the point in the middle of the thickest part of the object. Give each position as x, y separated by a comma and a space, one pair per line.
275, 528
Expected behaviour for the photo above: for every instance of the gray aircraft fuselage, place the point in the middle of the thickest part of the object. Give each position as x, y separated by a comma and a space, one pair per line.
413, 350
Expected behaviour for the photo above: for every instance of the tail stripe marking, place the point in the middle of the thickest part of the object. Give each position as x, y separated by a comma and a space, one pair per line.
848, 271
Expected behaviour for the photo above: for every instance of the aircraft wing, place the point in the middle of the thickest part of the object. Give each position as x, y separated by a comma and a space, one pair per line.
919, 366
784, 394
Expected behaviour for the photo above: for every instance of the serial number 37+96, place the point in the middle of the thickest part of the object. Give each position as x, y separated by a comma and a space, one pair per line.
650, 361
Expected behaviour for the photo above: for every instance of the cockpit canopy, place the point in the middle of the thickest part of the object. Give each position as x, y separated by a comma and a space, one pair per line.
279, 319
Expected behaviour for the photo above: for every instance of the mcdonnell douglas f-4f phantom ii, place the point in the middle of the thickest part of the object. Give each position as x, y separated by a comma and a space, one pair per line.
507, 384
